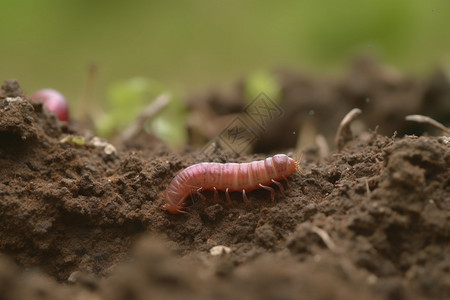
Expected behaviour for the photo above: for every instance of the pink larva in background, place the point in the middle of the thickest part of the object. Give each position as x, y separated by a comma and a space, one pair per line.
54, 101
228, 177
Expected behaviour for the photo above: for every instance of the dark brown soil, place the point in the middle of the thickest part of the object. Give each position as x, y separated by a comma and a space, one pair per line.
369, 222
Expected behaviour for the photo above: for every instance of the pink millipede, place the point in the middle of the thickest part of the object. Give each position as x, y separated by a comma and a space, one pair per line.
228, 177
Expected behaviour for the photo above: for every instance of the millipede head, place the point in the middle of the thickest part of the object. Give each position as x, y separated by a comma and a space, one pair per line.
297, 167
298, 158
173, 209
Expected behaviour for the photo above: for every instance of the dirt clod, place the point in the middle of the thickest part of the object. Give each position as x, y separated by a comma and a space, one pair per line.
10, 88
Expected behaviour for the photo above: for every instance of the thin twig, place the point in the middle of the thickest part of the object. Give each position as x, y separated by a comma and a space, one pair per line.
428, 120
325, 238
84, 105
324, 149
306, 135
149, 112
344, 133
367, 188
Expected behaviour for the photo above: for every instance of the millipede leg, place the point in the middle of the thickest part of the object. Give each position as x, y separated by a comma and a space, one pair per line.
247, 202
287, 182
192, 199
271, 190
227, 195
280, 186
216, 195
201, 196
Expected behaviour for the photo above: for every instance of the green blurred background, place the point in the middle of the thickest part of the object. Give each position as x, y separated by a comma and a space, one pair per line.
191, 45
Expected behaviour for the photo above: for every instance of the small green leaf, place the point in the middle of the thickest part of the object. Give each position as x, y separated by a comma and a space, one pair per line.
75, 140
127, 99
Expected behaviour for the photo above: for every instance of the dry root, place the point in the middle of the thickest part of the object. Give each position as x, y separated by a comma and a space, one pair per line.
150, 111
344, 133
428, 120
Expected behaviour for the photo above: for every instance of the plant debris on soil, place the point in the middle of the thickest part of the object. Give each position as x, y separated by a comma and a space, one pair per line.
371, 221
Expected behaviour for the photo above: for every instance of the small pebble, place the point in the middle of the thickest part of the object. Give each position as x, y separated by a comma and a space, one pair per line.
219, 250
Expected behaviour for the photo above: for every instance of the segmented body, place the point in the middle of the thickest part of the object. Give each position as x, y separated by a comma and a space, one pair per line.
243, 177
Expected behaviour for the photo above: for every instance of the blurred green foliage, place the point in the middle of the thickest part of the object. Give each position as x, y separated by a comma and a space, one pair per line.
262, 81
127, 99
190, 45
170, 125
